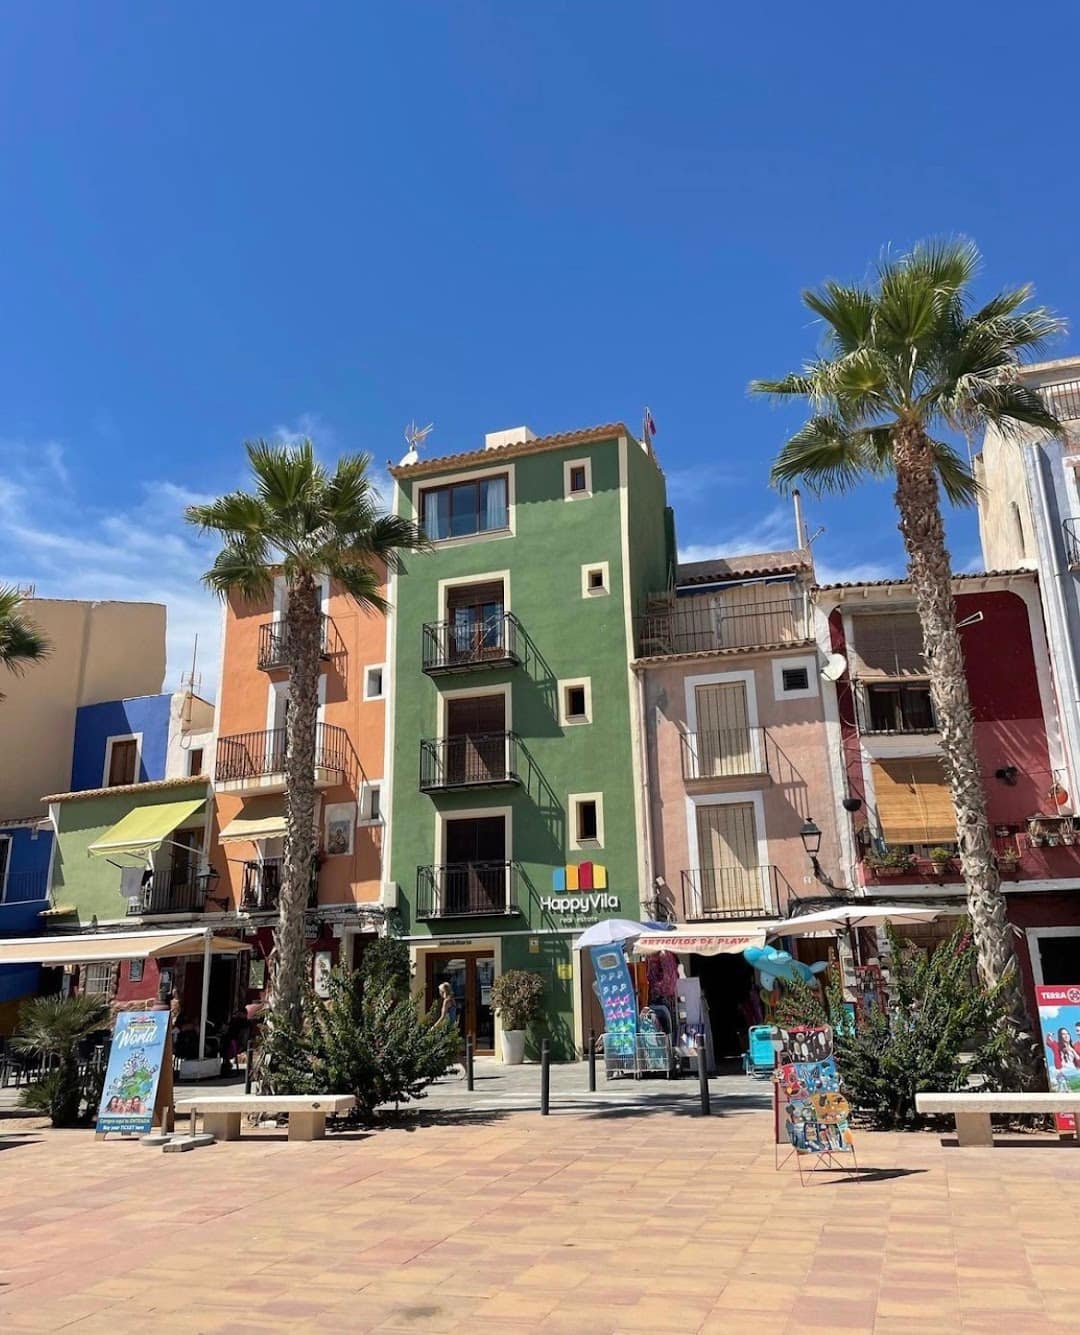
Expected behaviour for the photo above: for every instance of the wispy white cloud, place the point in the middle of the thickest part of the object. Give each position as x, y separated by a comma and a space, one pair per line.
773, 532
832, 571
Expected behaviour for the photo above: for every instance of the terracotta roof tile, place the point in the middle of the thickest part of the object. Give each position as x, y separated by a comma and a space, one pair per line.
736, 567
425, 467
957, 575
153, 786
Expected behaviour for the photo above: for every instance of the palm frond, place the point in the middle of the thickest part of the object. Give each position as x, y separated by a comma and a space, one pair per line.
955, 476
235, 514
848, 311
244, 566
798, 383
21, 642
360, 581
287, 477
827, 456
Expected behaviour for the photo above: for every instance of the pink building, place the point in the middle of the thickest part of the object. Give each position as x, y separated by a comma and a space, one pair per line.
738, 761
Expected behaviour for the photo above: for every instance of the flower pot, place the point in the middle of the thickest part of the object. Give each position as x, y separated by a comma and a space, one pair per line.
939, 868
513, 1046
889, 873
1053, 840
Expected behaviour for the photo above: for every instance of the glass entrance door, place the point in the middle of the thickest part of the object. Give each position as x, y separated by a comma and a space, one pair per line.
470, 975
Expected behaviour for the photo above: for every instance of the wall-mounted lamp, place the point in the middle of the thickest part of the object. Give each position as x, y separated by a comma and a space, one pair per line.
1007, 774
810, 835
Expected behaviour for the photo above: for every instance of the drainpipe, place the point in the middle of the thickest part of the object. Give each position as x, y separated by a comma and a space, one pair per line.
1055, 594
800, 530
208, 937
646, 792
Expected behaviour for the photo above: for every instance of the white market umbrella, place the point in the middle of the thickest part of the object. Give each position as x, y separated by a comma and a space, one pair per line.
844, 916
609, 931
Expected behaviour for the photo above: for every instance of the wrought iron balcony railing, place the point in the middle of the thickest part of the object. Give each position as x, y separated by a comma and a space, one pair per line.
466, 889
486, 760
1070, 529
1063, 399
730, 892
735, 752
171, 892
251, 755
274, 651
23, 887
701, 624
261, 889
460, 646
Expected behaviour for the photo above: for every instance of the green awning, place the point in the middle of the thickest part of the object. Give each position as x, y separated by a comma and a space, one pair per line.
145, 829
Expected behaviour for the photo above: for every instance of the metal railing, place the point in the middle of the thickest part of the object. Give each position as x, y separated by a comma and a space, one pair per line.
730, 892
484, 760
456, 646
466, 889
274, 643
1063, 399
1070, 529
250, 755
23, 887
726, 754
261, 888
171, 892
701, 624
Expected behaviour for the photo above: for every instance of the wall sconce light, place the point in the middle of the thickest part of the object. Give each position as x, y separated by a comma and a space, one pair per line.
1007, 775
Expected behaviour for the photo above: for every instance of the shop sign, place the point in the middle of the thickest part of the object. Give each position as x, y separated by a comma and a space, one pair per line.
617, 999
1059, 1024
578, 903
131, 1080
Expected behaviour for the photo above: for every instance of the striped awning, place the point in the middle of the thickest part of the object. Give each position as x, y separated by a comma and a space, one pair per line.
103, 947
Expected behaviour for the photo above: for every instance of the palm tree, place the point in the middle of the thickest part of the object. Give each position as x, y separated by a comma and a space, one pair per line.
20, 640
54, 1027
904, 359
303, 522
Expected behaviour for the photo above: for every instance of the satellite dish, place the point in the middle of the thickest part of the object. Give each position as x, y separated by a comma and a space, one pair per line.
835, 667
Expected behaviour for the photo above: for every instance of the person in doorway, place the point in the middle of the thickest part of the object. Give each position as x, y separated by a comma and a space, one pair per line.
447, 1003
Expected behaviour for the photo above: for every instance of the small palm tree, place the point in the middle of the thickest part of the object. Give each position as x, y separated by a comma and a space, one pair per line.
305, 523
54, 1027
20, 640
905, 359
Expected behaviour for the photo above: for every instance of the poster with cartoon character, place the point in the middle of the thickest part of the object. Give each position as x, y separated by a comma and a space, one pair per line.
1059, 1028
131, 1080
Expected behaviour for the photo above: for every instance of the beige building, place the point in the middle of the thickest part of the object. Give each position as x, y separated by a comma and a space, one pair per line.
100, 651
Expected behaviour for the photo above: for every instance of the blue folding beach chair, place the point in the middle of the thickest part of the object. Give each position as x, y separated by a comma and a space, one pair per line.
760, 1059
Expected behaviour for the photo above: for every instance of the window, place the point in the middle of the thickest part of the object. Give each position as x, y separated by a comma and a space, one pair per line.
595, 579
371, 803
795, 679
577, 479
373, 682
97, 980
586, 820
892, 707
575, 701
463, 509
121, 761
195, 759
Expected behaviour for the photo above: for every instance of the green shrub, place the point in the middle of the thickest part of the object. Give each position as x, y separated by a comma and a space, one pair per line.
386, 964
517, 997
53, 1027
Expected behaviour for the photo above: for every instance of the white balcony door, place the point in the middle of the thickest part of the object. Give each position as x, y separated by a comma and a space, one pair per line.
725, 743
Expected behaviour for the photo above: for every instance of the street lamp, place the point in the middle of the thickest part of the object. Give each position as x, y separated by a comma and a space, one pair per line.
810, 835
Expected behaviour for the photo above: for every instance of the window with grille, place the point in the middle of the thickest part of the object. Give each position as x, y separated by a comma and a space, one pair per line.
96, 980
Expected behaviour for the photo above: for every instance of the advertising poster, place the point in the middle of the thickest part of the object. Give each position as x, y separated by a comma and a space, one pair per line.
131, 1080
816, 1114
617, 999
1059, 1029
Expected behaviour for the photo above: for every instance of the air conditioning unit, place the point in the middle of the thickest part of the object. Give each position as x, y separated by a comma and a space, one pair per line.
389, 895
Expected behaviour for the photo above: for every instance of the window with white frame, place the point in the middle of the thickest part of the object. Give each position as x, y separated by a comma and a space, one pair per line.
795, 678
585, 813
575, 701
122, 760
374, 676
371, 812
96, 980
577, 479
595, 579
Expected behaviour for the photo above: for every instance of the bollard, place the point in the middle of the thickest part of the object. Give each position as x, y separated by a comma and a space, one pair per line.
469, 1062
592, 1061
703, 1074
545, 1078
248, 1061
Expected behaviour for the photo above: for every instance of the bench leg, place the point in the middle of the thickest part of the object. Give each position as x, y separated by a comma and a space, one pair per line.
225, 1126
973, 1128
307, 1125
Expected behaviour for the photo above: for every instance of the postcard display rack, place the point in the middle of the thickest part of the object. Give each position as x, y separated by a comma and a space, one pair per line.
810, 1113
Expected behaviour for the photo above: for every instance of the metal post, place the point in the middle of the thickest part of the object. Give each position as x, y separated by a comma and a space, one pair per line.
703, 1074
545, 1078
469, 1043
592, 1061
207, 957
248, 1062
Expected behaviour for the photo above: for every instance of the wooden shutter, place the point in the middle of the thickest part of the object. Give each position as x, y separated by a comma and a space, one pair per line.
888, 644
913, 802
723, 731
474, 595
726, 835
122, 764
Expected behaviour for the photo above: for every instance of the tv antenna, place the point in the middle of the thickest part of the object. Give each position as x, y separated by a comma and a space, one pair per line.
835, 667
415, 438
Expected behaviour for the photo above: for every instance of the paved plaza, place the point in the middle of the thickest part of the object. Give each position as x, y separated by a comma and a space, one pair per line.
644, 1217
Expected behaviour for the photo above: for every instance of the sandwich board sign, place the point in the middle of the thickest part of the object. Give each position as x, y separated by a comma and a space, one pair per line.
140, 1048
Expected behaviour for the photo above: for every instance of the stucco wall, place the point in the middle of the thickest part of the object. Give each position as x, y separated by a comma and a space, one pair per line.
101, 651
23, 895
146, 716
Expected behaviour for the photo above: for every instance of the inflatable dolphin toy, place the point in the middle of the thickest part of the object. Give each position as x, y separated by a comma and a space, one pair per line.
774, 965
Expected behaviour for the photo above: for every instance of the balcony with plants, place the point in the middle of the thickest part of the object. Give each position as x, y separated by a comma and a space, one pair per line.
1046, 848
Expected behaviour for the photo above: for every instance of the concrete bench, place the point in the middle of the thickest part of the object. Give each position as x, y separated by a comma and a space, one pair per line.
306, 1112
972, 1110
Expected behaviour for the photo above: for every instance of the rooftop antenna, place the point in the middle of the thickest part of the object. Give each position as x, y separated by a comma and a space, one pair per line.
415, 437
191, 681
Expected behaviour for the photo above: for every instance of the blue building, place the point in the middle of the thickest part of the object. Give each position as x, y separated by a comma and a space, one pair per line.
26, 847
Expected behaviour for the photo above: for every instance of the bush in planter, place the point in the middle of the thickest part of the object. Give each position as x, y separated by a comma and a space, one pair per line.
53, 1027
517, 998
941, 858
892, 862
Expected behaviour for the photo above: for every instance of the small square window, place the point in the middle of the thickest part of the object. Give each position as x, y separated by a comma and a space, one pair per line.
795, 679
586, 821
575, 702
577, 478
371, 804
596, 579
373, 682
195, 759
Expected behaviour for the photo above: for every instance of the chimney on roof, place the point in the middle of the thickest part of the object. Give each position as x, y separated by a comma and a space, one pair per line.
800, 531
515, 435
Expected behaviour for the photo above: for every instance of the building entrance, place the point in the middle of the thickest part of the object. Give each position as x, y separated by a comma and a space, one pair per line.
726, 982
470, 974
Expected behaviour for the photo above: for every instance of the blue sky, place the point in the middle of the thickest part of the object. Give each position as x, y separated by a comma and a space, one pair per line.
252, 219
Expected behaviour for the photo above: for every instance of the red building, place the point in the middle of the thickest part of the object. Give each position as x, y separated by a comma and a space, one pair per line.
900, 840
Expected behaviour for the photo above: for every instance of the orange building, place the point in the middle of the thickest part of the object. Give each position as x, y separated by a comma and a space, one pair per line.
249, 779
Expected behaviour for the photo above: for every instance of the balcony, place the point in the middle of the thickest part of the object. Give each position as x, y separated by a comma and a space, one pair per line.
487, 760
1070, 529
24, 887
1063, 399
456, 646
171, 892
274, 644
735, 753
261, 889
467, 890
701, 624
731, 892
254, 762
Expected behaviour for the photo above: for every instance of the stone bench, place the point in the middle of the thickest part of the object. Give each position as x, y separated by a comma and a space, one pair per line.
306, 1112
972, 1110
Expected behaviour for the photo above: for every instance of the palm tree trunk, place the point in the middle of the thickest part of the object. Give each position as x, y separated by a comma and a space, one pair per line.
302, 638
930, 573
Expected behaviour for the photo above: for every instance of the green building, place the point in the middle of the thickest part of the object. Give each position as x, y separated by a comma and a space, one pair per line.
515, 752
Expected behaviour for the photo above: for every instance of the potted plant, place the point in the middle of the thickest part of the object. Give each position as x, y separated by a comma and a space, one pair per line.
1008, 860
1068, 832
941, 860
892, 863
516, 998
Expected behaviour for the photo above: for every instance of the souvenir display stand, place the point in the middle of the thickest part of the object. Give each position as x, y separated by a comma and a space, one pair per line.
810, 1113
